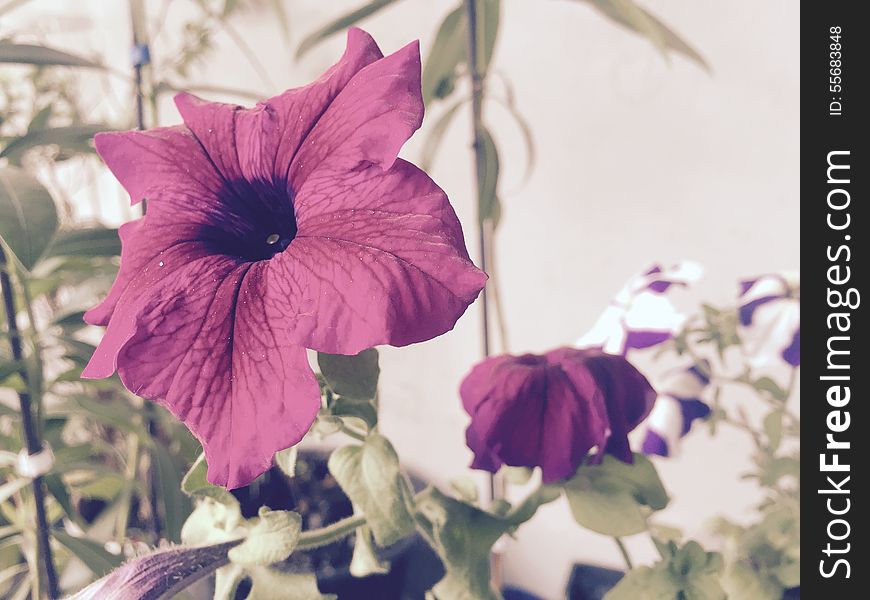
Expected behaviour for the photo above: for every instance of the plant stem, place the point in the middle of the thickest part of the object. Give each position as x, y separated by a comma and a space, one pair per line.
31, 436
331, 533
479, 159
496, 485
351, 432
625, 555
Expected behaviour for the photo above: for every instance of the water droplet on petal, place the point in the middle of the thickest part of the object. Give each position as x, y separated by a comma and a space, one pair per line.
273, 239
160, 264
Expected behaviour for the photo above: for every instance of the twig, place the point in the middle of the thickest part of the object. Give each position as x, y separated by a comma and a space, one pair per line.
496, 487
31, 436
624, 551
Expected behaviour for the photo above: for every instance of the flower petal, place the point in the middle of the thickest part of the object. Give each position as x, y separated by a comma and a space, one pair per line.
369, 121
197, 343
258, 144
628, 395
379, 258
792, 354
527, 411
167, 166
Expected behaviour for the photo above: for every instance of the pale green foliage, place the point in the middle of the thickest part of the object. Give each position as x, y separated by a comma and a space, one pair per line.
614, 498
463, 536
689, 573
370, 476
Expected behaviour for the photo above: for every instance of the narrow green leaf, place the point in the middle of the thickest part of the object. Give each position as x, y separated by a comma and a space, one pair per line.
635, 18
490, 17
87, 242
354, 377
487, 191
11, 487
28, 216
92, 554
281, 14
40, 119
433, 142
176, 506
30, 54
72, 139
195, 484
370, 476
447, 53
272, 539
773, 429
340, 24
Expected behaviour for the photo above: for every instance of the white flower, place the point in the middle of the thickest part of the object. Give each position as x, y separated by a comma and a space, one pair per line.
641, 315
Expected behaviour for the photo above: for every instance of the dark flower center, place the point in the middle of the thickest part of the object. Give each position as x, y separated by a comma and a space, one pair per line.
259, 220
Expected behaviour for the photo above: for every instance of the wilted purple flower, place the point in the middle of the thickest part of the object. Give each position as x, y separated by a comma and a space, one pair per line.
549, 411
770, 316
678, 405
640, 316
286, 226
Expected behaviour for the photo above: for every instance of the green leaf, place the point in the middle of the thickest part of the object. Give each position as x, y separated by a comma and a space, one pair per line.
689, 573
433, 142
463, 536
614, 498
212, 522
176, 506
106, 487
448, 52
195, 484
271, 584
370, 476
489, 18
30, 54
92, 554
364, 410
509, 104
742, 582
354, 377
487, 193
773, 429
766, 384
88, 242
11, 487
73, 139
635, 18
340, 24
365, 560
55, 485
281, 15
272, 539
286, 460
28, 216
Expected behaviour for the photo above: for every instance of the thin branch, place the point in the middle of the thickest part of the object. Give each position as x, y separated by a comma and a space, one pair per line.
31, 435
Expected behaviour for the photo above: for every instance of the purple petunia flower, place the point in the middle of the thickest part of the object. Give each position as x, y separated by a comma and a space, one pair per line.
770, 316
640, 316
677, 407
549, 411
286, 226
